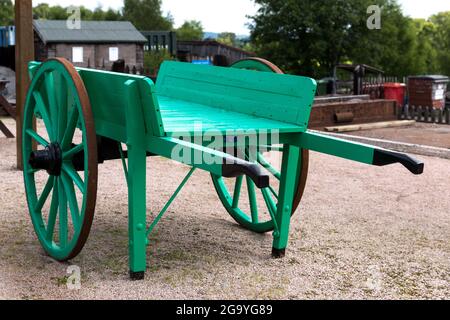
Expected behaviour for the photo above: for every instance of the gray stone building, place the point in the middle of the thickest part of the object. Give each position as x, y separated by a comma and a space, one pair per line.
97, 44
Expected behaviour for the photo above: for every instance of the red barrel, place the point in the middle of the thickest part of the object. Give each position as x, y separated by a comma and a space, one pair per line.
395, 91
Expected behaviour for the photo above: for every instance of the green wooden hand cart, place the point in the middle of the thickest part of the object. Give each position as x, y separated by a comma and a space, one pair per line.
89, 115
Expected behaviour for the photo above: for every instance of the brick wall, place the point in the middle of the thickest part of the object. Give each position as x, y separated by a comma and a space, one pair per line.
65, 50
323, 115
94, 55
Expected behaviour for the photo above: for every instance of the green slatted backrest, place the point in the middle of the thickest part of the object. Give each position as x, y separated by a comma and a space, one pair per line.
273, 96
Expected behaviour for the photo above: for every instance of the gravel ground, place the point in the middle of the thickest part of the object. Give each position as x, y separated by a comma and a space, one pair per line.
10, 75
435, 135
361, 233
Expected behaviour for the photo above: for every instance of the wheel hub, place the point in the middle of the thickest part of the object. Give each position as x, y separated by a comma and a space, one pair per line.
49, 159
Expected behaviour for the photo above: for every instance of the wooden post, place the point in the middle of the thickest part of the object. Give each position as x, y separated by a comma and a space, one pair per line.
24, 54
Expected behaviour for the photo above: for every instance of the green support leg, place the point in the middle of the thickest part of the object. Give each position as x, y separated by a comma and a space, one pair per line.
137, 211
136, 186
286, 198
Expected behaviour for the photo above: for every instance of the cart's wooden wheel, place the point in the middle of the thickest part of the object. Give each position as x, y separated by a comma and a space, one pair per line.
58, 99
252, 217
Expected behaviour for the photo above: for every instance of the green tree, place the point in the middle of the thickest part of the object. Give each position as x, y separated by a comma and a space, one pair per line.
154, 59
311, 36
190, 30
393, 48
112, 15
41, 11
44, 11
426, 60
58, 13
441, 40
146, 15
306, 37
228, 38
6, 12
98, 14
86, 14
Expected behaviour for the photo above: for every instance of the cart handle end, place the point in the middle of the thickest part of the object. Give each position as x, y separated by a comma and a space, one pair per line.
385, 157
237, 168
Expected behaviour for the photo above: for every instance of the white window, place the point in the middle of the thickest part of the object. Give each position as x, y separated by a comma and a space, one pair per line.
77, 54
113, 54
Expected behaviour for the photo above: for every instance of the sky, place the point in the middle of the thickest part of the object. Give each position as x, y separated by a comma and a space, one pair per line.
230, 15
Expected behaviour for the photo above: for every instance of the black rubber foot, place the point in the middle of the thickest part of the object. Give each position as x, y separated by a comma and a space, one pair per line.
136, 276
278, 253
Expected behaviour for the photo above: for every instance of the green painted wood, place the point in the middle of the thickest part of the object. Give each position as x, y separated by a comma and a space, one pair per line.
137, 177
288, 182
283, 98
332, 146
108, 96
187, 153
181, 117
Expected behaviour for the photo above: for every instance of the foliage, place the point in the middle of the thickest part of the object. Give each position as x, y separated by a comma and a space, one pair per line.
44, 11
6, 12
146, 15
228, 38
153, 59
311, 36
190, 30
441, 40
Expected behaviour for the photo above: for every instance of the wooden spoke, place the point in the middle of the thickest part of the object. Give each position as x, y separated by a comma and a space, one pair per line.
72, 199
252, 198
61, 98
63, 221
70, 171
37, 137
70, 130
42, 109
45, 193
72, 152
237, 191
53, 213
51, 98
262, 161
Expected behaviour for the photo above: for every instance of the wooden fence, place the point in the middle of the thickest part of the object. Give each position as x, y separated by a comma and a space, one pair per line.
426, 114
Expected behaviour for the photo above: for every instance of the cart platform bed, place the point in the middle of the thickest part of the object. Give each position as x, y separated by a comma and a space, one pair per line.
180, 117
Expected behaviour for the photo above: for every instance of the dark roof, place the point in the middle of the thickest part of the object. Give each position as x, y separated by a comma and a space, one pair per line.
434, 78
90, 32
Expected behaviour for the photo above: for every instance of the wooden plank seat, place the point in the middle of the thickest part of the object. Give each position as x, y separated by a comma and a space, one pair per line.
181, 117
